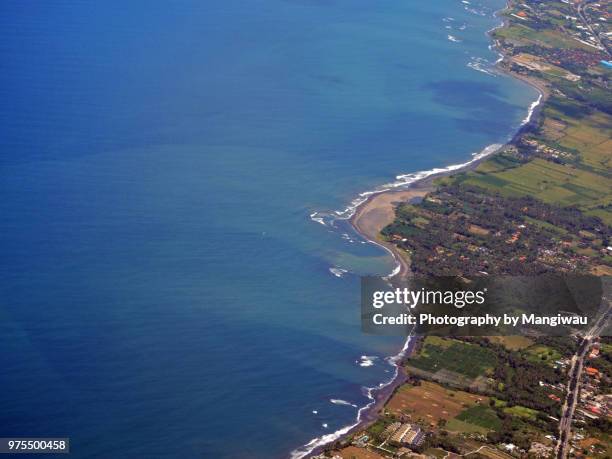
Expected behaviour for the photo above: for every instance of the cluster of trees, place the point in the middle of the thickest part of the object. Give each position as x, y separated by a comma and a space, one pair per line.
516, 384
604, 364
519, 376
462, 230
520, 390
492, 209
567, 346
573, 60
443, 441
588, 95
519, 387
604, 425
512, 431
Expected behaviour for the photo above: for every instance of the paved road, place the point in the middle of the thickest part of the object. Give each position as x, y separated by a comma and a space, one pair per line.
581, 8
573, 385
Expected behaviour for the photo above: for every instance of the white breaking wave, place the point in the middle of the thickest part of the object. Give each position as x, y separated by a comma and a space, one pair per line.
369, 391
475, 11
482, 65
396, 270
314, 218
402, 181
338, 272
366, 360
493, 46
532, 108
337, 401
453, 39
411, 178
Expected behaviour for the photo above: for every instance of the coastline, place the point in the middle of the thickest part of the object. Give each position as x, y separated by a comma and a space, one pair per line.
378, 210
372, 214
367, 414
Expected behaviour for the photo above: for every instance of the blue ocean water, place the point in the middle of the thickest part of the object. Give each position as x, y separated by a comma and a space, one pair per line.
163, 291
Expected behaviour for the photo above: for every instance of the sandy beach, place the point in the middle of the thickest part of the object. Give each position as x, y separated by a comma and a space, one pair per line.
379, 211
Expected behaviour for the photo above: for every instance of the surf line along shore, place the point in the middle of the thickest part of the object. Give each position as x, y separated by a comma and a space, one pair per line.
369, 218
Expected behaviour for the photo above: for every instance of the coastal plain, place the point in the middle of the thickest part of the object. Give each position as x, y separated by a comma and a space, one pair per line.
540, 204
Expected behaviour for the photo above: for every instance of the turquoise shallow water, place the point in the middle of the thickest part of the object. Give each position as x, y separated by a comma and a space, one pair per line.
164, 291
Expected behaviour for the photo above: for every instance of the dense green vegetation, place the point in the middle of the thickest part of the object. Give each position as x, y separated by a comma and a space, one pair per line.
564, 161
542, 353
519, 409
461, 229
457, 356
481, 415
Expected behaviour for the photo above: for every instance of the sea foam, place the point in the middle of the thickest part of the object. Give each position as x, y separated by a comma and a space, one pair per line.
402, 181
366, 360
337, 401
369, 393
338, 272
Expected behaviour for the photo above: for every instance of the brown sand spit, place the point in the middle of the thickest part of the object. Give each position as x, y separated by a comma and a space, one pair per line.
379, 211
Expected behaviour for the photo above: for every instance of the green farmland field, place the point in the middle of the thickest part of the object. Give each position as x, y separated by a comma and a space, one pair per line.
456, 356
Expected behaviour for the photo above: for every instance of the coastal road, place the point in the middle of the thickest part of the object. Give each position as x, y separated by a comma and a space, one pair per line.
573, 385
581, 8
